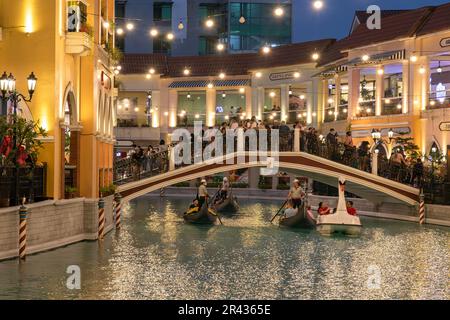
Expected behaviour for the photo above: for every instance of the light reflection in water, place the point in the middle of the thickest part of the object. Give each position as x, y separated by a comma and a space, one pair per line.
157, 256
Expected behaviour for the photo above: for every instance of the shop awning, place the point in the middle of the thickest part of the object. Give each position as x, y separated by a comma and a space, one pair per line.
204, 83
332, 71
379, 57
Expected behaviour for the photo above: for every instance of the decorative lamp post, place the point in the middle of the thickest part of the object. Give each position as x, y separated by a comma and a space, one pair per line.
9, 93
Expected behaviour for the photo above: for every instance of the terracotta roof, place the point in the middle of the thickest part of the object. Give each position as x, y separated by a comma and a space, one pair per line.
392, 27
438, 20
230, 64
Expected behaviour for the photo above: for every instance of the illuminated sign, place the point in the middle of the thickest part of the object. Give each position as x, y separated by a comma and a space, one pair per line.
445, 42
444, 126
282, 76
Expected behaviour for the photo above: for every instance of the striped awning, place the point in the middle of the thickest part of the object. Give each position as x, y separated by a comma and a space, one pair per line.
380, 57
204, 83
332, 71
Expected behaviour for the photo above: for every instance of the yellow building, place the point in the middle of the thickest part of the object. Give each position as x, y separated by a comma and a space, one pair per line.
66, 45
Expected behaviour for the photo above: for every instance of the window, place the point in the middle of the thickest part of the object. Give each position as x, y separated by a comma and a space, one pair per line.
162, 11
161, 45
260, 27
207, 45
191, 107
225, 101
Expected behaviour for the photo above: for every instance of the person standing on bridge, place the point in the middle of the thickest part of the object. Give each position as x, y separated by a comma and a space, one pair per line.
202, 193
332, 144
296, 194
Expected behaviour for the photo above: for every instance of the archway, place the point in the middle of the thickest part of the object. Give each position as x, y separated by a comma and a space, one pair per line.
70, 145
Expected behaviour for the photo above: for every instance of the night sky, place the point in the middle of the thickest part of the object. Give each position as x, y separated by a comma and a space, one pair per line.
335, 19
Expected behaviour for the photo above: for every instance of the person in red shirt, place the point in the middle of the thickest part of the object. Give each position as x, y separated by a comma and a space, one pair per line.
350, 209
323, 209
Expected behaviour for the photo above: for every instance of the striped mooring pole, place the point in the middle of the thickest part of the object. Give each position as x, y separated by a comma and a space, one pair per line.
162, 192
23, 212
422, 208
117, 201
101, 218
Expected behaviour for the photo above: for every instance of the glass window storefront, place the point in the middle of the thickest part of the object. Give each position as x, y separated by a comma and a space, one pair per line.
272, 105
191, 107
261, 25
162, 11
297, 105
229, 103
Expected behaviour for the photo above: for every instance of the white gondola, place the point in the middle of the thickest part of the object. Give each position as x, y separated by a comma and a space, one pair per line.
340, 221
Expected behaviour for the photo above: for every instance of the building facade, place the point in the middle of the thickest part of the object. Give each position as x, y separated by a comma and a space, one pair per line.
240, 26
395, 78
65, 45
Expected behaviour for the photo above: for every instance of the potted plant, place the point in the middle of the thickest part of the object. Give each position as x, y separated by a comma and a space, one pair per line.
70, 192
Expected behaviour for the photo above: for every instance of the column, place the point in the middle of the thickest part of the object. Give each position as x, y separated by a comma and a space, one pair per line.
379, 90
253, 177
284, 101
425, 81
261, 98
354, 79
316, 101
254, 102
248, 102
171, 117
309, 102
210, 107
323, 99
407, 98
337, 97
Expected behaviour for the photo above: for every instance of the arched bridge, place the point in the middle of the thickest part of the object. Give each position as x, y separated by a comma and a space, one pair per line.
363, 184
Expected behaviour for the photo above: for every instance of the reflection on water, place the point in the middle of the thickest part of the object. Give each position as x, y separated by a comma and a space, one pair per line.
157, 256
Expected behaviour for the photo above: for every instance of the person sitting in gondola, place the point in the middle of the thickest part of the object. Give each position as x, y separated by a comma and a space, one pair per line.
323, 209
194, 207
223, 192
202, 193
289, 211
350, 209
296, 194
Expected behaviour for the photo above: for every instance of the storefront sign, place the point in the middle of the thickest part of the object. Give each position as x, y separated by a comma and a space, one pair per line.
444, 126
282, 76
445, 42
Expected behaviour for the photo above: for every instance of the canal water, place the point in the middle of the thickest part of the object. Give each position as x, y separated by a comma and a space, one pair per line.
157, 256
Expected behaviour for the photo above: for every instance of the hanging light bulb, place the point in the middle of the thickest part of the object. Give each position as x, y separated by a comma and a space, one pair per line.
209, 23
170, 36
318, 4
186, 71
130, 26
119, 31
242, 20
266, 49
220, 47
106, 25
154, 32
152, 71
365, 58
180, 25
279, 11
315, 56
439, 69
222, 75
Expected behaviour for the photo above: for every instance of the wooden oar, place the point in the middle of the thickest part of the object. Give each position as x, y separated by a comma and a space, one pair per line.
218, 216
278, 211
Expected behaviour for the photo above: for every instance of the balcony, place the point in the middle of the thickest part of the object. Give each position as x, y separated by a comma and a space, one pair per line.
78, 43
439, 100
392, 106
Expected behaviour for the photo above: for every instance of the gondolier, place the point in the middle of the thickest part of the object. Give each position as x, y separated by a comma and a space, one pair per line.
296, 194
223, 192
202, 193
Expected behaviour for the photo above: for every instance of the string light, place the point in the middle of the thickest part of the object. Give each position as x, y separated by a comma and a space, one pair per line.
106, 25
154, 32
315, 56
186, 71
279, 11
413, 58
220, 47
170, 36
296, 75
119, 31
188, 96
180, 25
242, 20
152, 71
318, 4
365, 58
439, 69
130, 26
209, 23
258, 74
266, 49
222, 75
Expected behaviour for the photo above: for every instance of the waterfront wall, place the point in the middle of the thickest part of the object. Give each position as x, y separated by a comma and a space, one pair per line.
435, 214
52, 224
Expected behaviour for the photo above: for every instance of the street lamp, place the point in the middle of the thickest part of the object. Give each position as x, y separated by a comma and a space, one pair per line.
376, 135
9, 93
391, 135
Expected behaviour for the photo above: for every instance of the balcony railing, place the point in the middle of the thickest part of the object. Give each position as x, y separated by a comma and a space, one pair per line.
439, 100
392, 105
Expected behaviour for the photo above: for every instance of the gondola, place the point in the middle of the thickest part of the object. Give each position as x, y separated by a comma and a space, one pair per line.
229, 205
204, 216
302, 219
